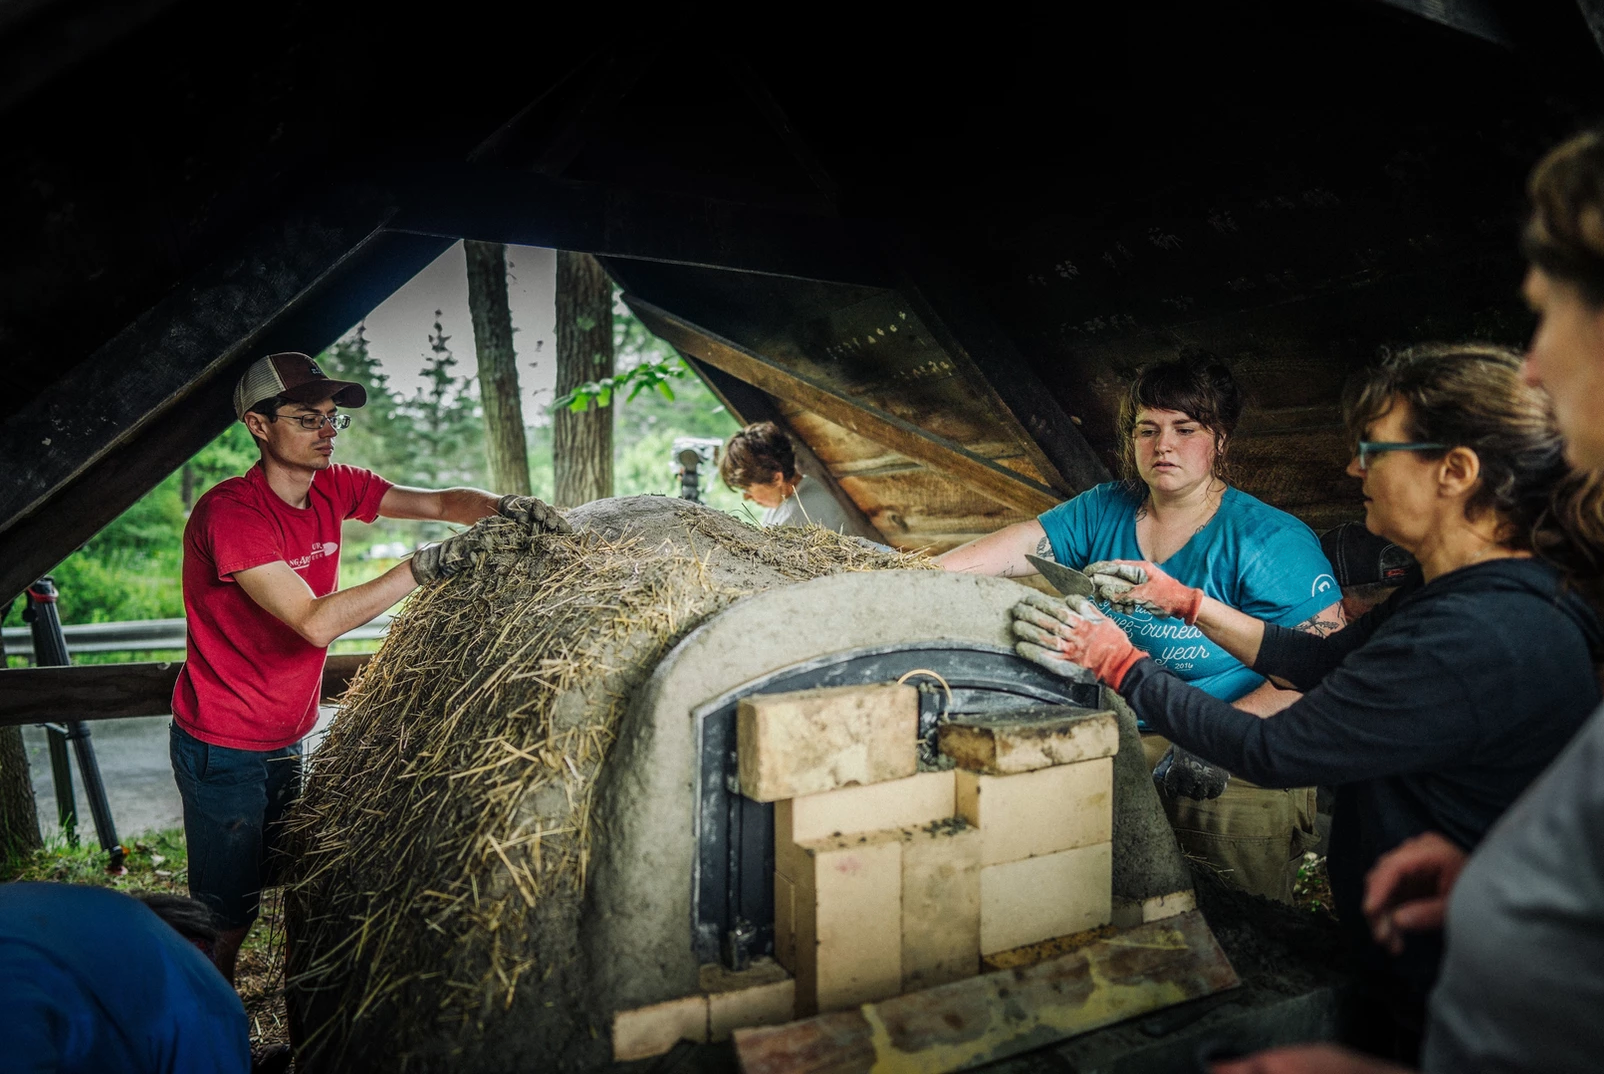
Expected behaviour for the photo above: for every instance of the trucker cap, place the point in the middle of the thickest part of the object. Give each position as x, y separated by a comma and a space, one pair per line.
1359, 557
297, 378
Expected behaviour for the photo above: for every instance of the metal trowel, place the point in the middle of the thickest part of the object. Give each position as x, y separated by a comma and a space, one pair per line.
1067, 580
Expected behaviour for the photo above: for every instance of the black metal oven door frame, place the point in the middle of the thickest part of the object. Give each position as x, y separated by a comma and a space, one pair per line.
733, 876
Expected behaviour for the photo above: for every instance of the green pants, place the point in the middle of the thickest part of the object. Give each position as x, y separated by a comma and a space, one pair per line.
1253, 836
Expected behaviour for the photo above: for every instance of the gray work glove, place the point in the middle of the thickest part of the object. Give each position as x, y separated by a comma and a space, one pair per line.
445, 559
1180, 774
538, 515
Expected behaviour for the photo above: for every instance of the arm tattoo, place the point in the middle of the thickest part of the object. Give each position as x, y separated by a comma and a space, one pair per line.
1044, 549
1324, 623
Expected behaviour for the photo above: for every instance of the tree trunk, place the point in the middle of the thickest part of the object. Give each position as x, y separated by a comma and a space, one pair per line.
19, 820
505, 449
582, 444
186, 487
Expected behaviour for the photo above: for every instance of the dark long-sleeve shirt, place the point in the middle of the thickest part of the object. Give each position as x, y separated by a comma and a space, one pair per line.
1432, 712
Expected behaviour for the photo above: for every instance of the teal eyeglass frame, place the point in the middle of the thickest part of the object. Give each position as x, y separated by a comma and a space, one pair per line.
1369, 448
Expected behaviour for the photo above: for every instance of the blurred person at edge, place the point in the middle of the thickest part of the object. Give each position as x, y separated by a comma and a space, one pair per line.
1522, 982
92, 980
1177, 508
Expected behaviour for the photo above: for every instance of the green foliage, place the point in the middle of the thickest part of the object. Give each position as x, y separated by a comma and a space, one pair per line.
599, 393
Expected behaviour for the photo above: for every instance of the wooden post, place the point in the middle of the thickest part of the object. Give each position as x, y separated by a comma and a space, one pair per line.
582, 443
505, 449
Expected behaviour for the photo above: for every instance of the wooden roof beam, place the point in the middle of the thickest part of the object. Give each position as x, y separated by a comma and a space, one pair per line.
464, 201
982, 351
981, 474
204, 336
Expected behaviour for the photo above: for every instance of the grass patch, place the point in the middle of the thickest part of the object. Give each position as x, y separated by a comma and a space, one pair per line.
157, 861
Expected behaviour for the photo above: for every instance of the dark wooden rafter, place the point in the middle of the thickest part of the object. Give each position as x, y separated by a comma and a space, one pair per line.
977, 346
984, 354
747, 405
981, 474
144, 369
611, 81
526, 209
44, 39
118, 691
757, 91
192, 413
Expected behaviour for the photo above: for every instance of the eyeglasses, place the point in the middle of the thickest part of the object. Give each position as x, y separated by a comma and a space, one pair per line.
1368, 449
313, 422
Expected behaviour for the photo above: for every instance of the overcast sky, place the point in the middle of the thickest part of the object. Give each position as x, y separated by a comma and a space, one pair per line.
398, 330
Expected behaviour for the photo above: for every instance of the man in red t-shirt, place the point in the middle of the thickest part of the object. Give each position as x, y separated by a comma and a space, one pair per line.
261, 597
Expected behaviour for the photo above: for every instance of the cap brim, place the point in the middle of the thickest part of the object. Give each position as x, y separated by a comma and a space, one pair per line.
345, 393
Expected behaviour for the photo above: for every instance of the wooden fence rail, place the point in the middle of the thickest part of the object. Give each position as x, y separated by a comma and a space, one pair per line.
117, 691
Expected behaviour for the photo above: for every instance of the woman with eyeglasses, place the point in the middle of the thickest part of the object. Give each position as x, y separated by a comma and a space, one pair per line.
1436, 709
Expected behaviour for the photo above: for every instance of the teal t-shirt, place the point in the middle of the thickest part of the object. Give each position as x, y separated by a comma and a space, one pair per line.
1250, 556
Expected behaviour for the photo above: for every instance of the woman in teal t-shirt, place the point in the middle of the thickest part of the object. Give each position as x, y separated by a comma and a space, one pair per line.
1176, 509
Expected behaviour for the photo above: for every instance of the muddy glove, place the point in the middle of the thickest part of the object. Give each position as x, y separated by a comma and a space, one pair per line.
538, 515
445, 559
1051, 633
1130, 583
1180, 774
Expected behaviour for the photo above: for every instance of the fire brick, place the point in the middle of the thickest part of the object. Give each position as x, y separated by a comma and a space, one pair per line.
897, 803
848, 921
940, 904
761, 995
1040, 812
1039, 898
809, 741
648, 1031
1003, 747
784, 921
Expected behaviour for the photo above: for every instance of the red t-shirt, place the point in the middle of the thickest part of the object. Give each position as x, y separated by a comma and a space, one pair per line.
250, 682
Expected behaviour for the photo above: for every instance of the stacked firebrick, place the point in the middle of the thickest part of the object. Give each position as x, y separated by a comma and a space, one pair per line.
888, 879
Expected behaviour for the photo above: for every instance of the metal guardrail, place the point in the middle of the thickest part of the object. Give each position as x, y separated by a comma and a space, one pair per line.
145, 635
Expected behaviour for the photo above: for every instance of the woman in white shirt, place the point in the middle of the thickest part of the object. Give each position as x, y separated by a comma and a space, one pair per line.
760, 463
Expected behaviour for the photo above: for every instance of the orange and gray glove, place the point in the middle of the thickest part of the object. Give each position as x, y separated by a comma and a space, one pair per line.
1133, 583
1052, 634
538, 515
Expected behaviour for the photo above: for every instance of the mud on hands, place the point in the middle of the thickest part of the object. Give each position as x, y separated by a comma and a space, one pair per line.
447, 558
1052, 633
1132, 583
538, 515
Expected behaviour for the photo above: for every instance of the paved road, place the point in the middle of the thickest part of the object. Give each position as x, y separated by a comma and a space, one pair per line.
135, 768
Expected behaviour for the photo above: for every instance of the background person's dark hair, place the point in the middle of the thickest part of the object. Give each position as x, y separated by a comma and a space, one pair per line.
1564, 234
1472, 395
190, 918
756, 455
1196, 383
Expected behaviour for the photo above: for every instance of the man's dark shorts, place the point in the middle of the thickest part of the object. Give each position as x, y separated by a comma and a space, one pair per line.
234, 803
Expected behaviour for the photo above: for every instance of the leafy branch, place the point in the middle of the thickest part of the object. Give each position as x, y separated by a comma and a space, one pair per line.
647, 375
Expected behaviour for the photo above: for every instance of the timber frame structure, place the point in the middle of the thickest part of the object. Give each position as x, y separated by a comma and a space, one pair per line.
933, 253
